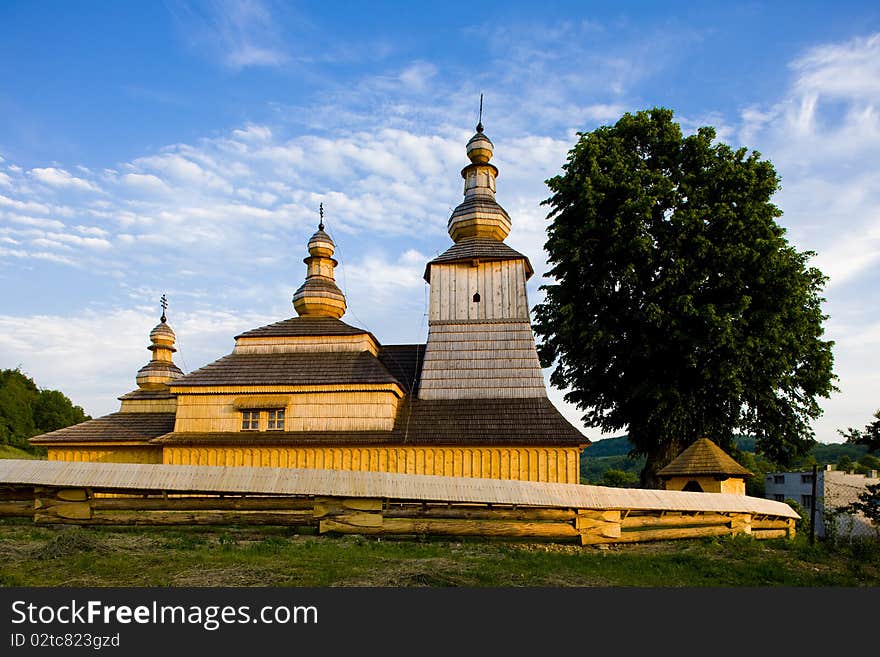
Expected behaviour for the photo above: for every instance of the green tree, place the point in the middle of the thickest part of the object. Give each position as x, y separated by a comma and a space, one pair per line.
17, 396
618, 478
679, 309
53, 410
869, 436
868, 503
25, 410
844, 463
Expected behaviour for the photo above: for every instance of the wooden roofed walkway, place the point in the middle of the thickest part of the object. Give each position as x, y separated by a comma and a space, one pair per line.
60, 492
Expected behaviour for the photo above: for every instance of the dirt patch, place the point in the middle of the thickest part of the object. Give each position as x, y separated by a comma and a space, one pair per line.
431, 572
235, 576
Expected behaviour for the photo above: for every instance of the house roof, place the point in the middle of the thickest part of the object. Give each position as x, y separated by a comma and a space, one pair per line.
404, 361
304, 326
116, 427
294, 369
703, 457
525, 422
387, 485
147, 394
478, 248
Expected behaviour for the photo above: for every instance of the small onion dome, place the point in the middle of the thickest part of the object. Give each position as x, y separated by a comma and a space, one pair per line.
161, 368
479, 148
163, 336
321, 245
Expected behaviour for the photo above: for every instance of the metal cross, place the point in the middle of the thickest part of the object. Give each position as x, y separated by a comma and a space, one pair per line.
321, 212
164, 303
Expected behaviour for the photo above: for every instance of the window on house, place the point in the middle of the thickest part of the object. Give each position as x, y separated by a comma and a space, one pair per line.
250, 420
807, 501
276, 420
779, 497
806, 479
778, 479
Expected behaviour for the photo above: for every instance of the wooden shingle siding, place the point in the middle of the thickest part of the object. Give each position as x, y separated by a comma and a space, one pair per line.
478, 248
464, 360
293, 369
304, 326
125, 427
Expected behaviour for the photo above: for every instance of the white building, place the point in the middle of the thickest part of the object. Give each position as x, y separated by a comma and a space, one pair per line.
834, 489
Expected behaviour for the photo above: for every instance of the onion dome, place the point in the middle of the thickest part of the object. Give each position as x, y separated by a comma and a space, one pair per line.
479, 215
319, 296
161, 369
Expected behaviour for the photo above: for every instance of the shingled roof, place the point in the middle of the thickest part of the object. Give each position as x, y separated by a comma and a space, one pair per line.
404, 361
703, 457
478, 248
116, 427
304, 326
140, 393
294, 369
523, 422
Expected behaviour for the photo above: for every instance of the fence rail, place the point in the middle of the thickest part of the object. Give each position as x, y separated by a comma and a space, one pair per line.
54, 505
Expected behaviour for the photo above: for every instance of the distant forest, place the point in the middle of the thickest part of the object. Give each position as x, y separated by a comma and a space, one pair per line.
607, 462
26, 410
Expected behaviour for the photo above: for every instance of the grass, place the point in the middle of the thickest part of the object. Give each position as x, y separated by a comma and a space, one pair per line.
10, 452
161, 557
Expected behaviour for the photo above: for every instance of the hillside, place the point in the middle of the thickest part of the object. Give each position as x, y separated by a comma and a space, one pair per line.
612, 454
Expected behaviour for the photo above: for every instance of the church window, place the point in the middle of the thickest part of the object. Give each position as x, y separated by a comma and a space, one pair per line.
476, 297
250, 420
276, 420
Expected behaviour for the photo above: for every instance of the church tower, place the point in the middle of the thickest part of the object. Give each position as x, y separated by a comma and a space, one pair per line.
480, 342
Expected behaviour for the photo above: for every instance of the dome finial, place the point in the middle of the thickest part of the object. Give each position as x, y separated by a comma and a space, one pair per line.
164, 303
480, 120
321, 213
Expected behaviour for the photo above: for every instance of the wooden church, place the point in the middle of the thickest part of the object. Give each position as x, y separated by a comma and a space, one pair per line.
315, 392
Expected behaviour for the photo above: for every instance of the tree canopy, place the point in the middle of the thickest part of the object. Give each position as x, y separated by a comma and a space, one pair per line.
869, 436
677, 308
26, 411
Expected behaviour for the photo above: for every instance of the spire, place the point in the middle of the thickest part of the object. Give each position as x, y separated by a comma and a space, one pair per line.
319, 296
479, 215
161, 368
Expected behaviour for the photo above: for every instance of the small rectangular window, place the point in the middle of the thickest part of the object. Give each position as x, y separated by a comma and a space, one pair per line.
250, 420
779, 497
276, 420
807, 501
806, 479
778, 479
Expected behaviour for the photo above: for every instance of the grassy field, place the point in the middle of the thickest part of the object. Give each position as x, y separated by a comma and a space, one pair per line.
10, 452
154, 557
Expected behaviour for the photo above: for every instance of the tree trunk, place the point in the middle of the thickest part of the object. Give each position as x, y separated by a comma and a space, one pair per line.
657, 458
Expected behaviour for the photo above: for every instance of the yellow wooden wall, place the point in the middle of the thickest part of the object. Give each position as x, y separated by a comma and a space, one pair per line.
732, 485
108, 454
305, 411
551, 464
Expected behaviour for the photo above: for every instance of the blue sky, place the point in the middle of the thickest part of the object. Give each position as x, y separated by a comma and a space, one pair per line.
183, 148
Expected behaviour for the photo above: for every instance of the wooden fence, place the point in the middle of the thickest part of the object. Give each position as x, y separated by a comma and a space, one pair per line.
56, 505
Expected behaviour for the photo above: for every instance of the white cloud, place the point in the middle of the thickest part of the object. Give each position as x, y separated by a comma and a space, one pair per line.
240, 34
37, 222
24, 206
253, 133
146, 182
61, 178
